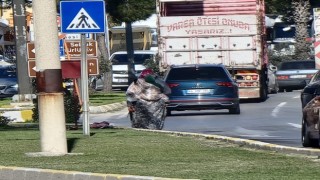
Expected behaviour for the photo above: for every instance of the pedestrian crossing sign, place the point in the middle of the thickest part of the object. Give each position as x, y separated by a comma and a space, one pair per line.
83, 16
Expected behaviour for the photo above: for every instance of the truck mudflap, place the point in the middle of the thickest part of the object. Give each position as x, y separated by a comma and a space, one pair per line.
249, 93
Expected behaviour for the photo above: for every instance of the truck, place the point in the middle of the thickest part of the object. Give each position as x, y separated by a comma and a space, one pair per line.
141, 36
231, 32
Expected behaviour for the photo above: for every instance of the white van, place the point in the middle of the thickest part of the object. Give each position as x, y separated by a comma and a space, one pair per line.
120, 66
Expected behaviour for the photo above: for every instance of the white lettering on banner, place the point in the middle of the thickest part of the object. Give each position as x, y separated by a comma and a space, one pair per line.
73, 48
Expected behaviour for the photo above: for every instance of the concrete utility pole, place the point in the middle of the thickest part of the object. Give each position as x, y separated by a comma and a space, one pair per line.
19, 18
49, 78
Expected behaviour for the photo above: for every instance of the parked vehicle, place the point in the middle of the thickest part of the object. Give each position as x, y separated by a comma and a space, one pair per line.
309, 92
200, 87
310, 123
120, 66
295, 74
273, 86
8, 80
192, 33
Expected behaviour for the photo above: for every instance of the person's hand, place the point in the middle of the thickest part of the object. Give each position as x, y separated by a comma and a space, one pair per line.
131, 109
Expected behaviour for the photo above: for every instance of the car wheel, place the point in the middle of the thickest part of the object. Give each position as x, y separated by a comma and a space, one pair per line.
235, 110
169, 112
281, 90
305, 138
276, 89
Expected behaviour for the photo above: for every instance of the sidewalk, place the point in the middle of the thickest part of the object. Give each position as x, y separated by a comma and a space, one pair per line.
23, 114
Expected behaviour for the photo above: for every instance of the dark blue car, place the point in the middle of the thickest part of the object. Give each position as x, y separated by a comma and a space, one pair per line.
8, 81
200, 87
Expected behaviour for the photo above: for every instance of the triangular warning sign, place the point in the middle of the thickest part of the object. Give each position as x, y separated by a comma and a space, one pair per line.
82, 21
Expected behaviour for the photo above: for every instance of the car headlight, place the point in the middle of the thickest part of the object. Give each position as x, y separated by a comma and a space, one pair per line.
14, 86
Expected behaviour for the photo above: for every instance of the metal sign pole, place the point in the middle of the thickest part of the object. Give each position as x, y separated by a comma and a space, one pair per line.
84, 86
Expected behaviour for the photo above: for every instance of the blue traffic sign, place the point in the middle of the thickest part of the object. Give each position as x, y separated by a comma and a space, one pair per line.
83, 16
61, 48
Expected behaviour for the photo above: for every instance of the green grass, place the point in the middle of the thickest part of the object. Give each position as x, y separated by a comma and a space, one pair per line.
125, 151
101, 98
96, 99
5, 102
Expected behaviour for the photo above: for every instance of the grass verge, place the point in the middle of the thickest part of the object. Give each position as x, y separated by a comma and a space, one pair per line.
5, 102
101, 98
96, 99
126, 151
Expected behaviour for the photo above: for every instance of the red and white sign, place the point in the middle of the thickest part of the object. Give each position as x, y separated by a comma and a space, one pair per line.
316, 17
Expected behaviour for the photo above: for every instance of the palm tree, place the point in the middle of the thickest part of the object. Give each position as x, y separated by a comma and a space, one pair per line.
301, 18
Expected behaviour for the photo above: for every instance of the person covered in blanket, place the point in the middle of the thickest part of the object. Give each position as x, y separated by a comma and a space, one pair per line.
146, 101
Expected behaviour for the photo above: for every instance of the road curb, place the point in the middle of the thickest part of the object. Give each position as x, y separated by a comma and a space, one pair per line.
14, 173
245, 142
24, 114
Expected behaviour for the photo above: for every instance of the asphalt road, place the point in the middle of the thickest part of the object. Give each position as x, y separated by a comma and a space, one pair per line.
276, 121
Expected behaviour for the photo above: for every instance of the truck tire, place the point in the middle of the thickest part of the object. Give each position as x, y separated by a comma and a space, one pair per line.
169, 112
235, 110
263, 94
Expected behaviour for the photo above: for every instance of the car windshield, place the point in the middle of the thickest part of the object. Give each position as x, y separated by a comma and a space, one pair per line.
297, 65
7, 72
202, 73
138, 58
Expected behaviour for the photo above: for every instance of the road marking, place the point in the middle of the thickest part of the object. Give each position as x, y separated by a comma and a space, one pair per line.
295, 125
242, 132
276, 110
296, 97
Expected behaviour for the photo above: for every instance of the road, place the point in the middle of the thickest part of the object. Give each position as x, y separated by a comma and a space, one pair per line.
277, 120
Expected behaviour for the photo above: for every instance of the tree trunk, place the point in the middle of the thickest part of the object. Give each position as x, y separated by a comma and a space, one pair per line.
105, 66
130, 52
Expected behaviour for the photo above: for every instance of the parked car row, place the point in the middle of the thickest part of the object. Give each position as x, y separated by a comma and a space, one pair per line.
8, 80
310, 103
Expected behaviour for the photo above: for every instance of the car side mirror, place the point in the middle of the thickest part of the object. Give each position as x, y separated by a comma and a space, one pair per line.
273, 68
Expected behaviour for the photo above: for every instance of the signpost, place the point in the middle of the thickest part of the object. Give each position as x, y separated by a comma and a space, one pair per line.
74, 48
31, 52
83, 17
70, 69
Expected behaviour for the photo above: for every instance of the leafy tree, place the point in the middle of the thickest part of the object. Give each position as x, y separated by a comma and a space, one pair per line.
295, 12
277, 7
129, 11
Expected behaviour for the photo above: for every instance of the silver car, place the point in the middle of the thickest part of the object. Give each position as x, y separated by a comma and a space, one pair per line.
295, 74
